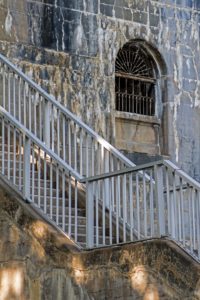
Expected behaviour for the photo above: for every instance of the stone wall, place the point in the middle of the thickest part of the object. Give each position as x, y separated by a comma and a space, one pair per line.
37, 263
70, 48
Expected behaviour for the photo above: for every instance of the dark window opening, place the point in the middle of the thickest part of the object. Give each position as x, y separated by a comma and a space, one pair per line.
134, 81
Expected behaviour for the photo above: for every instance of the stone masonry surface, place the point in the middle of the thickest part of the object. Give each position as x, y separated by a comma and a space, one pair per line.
37, 262
69, 47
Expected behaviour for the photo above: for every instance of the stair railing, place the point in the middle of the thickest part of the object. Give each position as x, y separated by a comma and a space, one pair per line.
40, 176
65, 134
135, 207
45, 147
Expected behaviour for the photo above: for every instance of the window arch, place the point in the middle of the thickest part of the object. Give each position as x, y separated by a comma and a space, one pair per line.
135, 80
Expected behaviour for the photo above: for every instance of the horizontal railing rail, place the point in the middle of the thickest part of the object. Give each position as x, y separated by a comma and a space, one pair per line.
129, 170
151, 200
65, 134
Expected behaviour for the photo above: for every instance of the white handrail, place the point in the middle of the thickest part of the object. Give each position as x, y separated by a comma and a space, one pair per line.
40, 175
41, 145
61, 109
152, 200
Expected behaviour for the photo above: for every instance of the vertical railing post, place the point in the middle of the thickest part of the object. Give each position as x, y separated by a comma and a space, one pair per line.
26, 168
160, 198
106, 170
46, 123
89, 215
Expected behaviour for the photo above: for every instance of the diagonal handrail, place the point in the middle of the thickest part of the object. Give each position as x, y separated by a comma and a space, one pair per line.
40, 175
74, 141
41, 145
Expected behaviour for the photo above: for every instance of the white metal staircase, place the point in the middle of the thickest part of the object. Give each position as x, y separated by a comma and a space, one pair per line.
87, 187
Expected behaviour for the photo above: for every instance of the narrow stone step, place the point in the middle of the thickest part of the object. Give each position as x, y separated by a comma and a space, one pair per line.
81, 238
80, 220
80, 211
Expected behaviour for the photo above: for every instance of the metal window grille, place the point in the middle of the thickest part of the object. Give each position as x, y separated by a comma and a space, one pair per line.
134, 81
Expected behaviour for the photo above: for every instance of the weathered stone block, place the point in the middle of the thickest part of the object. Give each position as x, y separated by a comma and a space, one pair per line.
106, 10
140, 17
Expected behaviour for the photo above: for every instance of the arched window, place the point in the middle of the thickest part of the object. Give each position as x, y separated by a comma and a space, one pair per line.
135, 80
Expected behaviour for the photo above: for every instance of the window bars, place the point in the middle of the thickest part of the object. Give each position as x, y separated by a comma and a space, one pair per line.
134, 81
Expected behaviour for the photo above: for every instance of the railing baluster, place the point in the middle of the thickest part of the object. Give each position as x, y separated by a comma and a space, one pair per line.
182, 211
124, 203
104, 211
51, 187
87, 155
75, 148
81, 151
92, 165
131, 204
47, 122
39, 176
69, 142
119, 191
168, 200
9, 91
63, 138
96, 188
33, 174
160, 198
174, 205
102, 163
110, 212
14, 156
45, 183
144, 203
3, 146
58, 132
190, 217
112, 182
8, 151
70, 205
34, 115
63, 202
19, 98
76, 210
138, 205
26, 168
20, 161
106, 170
117, 185
14, 96
40, 123
90, 216
198, 224
30, 109
193, 218
179, 212
52, 128
151, 204
4, 89
24, 102
57, 195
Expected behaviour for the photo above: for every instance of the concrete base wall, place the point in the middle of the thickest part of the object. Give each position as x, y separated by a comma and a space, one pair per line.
37, 263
